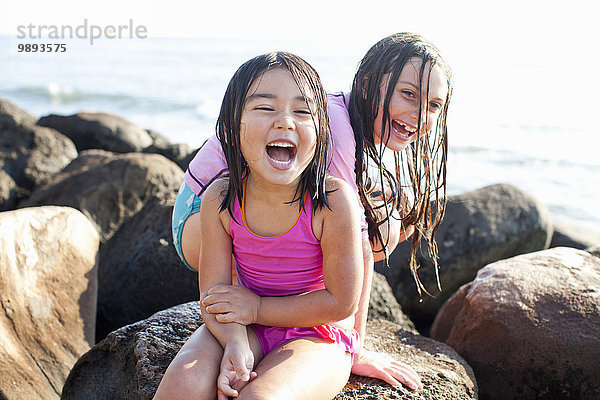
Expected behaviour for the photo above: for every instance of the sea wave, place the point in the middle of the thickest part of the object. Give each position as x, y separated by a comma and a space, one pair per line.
66, 94
57, 94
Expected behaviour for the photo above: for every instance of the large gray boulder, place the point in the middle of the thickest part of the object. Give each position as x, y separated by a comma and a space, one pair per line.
176, 152
48, 296
107, 187
480, 227
568, 234
29, 154
131, 361
139, 271
8, 191
13, 114
98, 130
530, 326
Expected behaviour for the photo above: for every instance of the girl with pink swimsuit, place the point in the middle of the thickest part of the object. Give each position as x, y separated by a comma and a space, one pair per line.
299, 265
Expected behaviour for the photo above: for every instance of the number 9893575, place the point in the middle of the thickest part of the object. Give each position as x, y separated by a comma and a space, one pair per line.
41, 48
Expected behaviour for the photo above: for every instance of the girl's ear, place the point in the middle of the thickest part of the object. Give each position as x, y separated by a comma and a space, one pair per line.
364, 86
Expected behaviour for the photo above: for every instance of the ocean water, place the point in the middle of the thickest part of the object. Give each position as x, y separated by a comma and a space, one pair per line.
508, 122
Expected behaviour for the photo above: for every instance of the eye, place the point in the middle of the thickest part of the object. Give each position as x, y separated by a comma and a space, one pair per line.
408, 93
435, 106
263, 108
303, 111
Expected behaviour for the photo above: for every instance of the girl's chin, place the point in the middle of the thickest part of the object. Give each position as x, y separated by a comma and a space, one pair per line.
281, 165
397, 145
397, 142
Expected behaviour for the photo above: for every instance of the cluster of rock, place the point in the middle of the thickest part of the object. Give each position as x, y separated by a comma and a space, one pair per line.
96, 303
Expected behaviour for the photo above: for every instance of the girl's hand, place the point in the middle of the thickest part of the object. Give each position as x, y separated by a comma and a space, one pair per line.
232, 303
236, 370
382, 366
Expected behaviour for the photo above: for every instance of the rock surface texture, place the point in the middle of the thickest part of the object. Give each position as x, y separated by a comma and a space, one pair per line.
383, 305
48, 298
130, 362
529, 326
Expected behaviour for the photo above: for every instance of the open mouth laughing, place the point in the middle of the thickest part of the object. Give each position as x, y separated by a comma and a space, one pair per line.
402, 130
281, 154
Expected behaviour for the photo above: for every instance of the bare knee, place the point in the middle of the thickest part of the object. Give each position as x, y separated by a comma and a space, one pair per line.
186, 379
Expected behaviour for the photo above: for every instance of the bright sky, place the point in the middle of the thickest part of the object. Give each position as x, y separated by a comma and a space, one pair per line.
461, 28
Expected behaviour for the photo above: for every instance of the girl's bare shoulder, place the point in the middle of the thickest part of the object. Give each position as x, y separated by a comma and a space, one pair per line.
216, 191
211, 202
340, 195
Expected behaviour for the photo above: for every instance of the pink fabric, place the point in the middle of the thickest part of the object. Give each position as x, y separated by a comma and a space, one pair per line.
209, 162
343, 148
272, 336
343, 145
291, 263
207, 165
288, 264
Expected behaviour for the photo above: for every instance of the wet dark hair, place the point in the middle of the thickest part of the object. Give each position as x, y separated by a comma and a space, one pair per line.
229, 125
420, 170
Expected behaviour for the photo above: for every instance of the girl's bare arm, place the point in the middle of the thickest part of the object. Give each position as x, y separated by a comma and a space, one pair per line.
215, 261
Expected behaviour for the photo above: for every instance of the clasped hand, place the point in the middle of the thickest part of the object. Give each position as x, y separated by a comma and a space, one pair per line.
232, 303
236, 370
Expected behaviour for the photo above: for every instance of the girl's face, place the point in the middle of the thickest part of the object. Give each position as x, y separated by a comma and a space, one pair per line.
405, 102
278, 134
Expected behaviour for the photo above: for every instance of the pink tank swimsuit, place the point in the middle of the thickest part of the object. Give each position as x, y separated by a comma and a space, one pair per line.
288, 264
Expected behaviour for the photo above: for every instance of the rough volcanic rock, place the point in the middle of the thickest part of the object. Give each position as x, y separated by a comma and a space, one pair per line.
8, 191
13, 114
29, 154
530, 326
176, 152
383, 305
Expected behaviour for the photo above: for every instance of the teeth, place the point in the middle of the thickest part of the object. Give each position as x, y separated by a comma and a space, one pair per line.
407, 127
280, 144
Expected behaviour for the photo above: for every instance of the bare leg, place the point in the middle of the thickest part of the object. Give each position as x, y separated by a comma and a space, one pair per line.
193, 372
191, 240
306, 368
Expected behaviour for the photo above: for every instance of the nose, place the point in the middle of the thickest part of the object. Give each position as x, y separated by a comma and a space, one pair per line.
414, 113
284, 121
